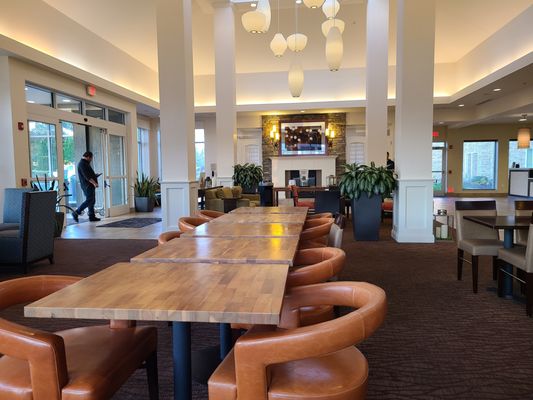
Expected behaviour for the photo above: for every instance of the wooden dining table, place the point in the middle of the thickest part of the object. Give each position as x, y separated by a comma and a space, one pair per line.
236, 230
177, 292
264, 218
270, 210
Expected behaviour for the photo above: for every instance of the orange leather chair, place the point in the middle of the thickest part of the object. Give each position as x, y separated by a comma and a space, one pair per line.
208, 215
319, 215
315, 233
312, 362
75, 364
189, 223
167, 236
301, 203
316, 266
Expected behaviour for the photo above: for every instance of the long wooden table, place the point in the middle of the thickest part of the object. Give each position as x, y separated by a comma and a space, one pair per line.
270, 210
236, 230
261, 218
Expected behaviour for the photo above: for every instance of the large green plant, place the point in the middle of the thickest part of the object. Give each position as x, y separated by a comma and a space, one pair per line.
360, 178
247, 175
145, 186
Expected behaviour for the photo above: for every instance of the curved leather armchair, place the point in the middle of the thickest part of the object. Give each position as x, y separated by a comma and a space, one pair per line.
315, 233
189, 223
167, 236
320, 215
318, 361
82, 363
208, 215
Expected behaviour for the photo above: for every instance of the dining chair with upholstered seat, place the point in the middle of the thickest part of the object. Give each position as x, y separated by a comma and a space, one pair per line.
315, 232
168, 236
475, 239
189, 223
299, 202
90, 362
522, 258
209, 214
313, 362
522, 208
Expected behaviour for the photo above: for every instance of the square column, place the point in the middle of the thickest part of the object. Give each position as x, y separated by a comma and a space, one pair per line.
179, 189
413, 203
226, 115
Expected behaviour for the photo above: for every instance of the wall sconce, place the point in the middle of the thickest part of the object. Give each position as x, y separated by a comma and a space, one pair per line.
330, 135
274, 136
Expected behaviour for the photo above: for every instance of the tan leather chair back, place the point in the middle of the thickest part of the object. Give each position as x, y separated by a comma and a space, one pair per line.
189, 223
471, 230
320, 215
209, 214
523, 208
254, 352
316, 229
167, 236
316, 265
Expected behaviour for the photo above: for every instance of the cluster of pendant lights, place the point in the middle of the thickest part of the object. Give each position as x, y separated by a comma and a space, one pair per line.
258, 21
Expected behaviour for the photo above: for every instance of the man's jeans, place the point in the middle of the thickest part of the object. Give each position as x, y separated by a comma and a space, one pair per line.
90, 200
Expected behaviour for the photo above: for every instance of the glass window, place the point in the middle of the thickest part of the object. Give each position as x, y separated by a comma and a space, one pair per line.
43, 149
199, 147
479, 165
116, 116
520, 158
92, 110
143, 151
66, 103
37, 95
116, 155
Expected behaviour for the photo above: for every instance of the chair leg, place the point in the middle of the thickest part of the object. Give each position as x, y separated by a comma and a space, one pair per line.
475, 260
529, 293
500, 278
51, 260
494, 268
460, 255
151, 373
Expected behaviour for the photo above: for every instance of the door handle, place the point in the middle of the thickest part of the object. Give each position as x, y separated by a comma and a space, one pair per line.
106, 185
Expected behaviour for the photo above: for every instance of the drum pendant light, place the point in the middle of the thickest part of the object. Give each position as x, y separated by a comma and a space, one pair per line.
296, 79
334, 48
524, 138
254, 22
278, 45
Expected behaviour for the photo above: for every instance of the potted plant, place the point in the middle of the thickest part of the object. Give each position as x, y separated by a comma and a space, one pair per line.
144, 190
247, 176
366, 186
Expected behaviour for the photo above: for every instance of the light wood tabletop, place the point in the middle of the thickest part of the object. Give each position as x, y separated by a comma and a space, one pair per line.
261, 218
235, 230
223, 250
238, 293
270, 210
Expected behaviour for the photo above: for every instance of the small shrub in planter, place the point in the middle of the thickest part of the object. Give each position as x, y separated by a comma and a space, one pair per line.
144, 190
248, 176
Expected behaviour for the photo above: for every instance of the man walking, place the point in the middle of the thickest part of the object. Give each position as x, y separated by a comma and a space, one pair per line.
88, 182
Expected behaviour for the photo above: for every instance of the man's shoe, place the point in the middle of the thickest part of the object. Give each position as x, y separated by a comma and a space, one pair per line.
94, 219
75, 216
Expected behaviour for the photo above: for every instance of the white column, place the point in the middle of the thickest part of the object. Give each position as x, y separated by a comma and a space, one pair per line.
413, 205
179, 189
226, 116
377, 62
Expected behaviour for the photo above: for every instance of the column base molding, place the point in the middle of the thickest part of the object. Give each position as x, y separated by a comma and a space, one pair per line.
178, 199
413, 211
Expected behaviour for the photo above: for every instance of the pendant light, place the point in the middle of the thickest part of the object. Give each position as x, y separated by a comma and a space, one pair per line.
278, 45
254, 22
524, 138
296, 41
331, 8
263, 6
339, 23
334, 48
313, 3
296, 79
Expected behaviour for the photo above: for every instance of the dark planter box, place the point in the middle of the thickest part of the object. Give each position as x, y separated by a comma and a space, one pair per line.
144, 204
266, 193
366, 217
60, 220
249, 189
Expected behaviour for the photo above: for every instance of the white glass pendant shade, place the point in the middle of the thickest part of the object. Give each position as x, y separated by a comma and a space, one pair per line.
326, 25
278, 45
313, 3
296, 80
263, 6
524, 137
297, 41
334, 49
254, 22
331, 8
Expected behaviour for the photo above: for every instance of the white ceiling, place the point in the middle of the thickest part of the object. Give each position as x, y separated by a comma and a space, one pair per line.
461, 25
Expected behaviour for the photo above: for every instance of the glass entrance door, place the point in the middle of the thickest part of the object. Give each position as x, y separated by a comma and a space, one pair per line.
115, 177
439, 168
74, 143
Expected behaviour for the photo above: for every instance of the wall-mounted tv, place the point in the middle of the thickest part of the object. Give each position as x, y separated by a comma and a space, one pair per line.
303, 138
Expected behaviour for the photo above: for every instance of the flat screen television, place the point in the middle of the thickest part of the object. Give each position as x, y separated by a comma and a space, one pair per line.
302, 138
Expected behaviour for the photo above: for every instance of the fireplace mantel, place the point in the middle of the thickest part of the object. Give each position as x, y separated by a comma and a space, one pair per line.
280, 164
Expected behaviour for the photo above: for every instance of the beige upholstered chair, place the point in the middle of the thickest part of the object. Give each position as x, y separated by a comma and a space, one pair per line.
522, 208
522, 258
476, 239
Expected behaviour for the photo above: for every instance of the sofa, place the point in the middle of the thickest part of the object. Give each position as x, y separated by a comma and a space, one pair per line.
226, 199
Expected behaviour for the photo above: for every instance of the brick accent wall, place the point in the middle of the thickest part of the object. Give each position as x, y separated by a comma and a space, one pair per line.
335, 121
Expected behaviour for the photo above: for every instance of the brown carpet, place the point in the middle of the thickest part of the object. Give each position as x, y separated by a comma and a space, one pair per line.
439, 341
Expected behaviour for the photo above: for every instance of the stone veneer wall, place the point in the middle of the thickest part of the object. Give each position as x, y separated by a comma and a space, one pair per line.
335, 121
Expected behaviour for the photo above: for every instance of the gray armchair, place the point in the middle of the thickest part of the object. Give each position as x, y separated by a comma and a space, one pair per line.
34, 238
12, 208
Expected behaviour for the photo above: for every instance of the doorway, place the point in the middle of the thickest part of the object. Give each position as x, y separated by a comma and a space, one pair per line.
438, 166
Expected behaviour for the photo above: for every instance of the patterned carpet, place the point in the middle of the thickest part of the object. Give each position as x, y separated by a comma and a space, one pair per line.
439, 341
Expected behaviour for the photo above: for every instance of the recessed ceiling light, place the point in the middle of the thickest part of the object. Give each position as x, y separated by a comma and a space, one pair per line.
31, 101
298, 1
253, 5
66, 100
523, 119
441, 123
461, 105
496, 90
302, 110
